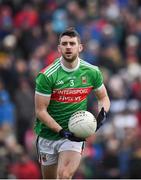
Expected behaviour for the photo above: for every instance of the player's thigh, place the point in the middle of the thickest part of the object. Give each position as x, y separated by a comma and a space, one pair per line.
49, 172
68, 162
47, 157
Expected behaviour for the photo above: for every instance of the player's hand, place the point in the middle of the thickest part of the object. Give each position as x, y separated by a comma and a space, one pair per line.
101, 118
69, 135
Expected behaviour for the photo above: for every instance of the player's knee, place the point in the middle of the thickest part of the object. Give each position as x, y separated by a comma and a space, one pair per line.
64, 174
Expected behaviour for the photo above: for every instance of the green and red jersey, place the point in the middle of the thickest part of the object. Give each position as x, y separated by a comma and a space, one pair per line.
68, 90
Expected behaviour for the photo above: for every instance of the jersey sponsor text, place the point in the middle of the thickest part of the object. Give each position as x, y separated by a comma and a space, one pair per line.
70, 95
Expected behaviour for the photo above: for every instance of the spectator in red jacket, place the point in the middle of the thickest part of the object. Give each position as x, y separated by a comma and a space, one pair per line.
24, 168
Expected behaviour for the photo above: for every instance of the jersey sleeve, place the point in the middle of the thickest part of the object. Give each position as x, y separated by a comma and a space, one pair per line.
43, 85
98, 79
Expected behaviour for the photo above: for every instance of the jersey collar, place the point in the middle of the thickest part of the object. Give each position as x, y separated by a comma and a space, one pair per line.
67, 69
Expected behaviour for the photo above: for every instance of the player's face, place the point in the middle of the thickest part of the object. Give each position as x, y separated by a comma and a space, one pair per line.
69, 48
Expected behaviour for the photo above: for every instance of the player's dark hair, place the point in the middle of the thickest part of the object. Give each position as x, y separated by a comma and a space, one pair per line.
71, 32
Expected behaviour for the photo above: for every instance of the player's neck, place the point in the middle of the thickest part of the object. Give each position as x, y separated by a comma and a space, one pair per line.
70, 65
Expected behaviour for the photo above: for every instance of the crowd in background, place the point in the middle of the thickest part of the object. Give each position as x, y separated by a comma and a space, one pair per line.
111, 35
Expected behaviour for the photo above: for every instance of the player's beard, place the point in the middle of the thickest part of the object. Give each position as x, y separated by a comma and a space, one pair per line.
70, 59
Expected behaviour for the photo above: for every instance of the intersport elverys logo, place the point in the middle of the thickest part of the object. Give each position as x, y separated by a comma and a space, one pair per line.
70, 95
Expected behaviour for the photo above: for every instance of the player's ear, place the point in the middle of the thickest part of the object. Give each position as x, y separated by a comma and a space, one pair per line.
80, 47
59, 50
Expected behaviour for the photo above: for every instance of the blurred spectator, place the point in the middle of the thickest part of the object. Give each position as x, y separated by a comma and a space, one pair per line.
24, 167
135, 163
110, 160
136, 88
30, 143
7, 109
26, 18
6, 21
59, 23
4, 160
25, 109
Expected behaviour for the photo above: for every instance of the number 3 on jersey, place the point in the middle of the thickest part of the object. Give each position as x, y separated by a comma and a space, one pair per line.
72, 82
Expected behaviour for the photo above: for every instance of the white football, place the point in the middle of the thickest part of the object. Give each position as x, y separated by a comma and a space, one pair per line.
82, 123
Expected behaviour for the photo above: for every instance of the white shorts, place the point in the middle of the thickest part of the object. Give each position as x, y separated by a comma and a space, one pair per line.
48, 150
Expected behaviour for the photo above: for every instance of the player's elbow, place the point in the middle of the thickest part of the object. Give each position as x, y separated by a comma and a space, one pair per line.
39, 113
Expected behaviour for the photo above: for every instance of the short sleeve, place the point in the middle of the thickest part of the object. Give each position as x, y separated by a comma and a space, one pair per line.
98, 79
43, 85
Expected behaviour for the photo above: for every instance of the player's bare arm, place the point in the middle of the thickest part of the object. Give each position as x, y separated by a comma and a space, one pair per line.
103, 105
103, 99
41, 104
